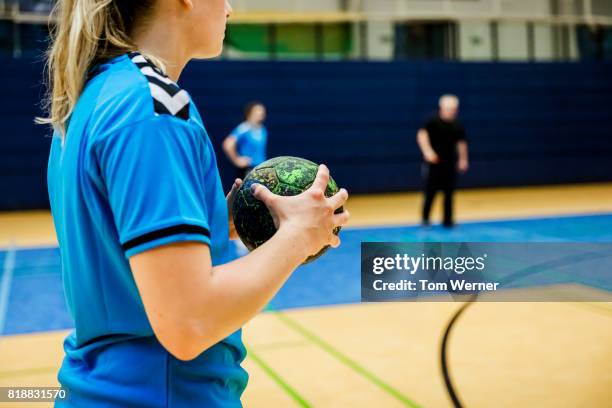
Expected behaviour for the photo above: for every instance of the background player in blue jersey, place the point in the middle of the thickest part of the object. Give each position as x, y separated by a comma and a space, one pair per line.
246, 145
141, 218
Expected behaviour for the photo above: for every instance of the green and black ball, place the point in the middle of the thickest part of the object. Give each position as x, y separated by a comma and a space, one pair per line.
285, 176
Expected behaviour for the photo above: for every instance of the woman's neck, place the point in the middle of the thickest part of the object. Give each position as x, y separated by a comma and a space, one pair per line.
159, 40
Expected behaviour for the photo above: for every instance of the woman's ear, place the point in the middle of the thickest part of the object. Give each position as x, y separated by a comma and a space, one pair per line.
188, 3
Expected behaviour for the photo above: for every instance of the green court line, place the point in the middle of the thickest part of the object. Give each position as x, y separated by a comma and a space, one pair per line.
278, 380
356, 367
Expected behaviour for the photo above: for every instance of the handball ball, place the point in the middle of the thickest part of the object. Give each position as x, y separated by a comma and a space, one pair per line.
285, 176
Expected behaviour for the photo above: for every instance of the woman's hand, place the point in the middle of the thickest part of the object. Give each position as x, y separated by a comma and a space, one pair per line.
242, 162
309, 215
230, 202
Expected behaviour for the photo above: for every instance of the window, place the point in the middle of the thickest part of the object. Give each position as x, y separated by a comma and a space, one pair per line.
289, 40
594, 43
436, 40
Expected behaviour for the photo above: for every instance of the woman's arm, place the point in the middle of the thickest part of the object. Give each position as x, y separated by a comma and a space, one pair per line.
192, 306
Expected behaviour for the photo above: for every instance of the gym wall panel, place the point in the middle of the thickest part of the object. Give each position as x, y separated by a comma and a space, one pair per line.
527, 123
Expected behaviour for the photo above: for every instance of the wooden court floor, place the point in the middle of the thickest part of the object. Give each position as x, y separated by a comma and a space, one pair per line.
386, 355
35, 228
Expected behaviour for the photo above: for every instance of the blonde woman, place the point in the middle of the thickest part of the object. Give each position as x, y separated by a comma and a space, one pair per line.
140, 216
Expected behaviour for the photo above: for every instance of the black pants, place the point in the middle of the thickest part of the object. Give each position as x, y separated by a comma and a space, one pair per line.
443, 178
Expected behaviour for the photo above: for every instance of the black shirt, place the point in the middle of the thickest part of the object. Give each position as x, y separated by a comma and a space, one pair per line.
443, 137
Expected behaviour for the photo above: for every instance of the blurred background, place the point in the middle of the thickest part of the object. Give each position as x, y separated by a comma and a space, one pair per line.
349, 83
532, 76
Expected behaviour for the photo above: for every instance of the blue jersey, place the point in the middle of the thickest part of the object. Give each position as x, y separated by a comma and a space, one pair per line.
135, 171
251, 141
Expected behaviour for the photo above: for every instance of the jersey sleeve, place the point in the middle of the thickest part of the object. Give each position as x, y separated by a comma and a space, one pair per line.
153, 175
240, 131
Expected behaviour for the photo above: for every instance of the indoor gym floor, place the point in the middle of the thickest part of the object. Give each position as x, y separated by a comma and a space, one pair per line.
317, 346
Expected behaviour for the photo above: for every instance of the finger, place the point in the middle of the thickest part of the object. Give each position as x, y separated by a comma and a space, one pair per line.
262, 193
342, 219
235, 186
322, 179
339, 199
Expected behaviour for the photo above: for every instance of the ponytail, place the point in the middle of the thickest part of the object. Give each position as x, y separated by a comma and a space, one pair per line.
86, 32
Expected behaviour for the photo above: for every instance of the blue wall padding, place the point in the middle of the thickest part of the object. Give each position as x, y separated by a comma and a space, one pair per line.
528, 123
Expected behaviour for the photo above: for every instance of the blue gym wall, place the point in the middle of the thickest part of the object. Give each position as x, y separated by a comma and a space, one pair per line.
527, 123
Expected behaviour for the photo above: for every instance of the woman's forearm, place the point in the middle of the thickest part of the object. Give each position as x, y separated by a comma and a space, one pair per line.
238, 290
229, 146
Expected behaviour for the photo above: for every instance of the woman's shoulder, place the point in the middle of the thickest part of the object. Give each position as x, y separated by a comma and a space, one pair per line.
133, 90
243, 127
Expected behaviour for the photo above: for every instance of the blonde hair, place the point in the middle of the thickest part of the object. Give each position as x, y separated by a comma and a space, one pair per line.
86, 32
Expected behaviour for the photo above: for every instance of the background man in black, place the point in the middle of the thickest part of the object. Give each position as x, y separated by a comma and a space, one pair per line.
443, 143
